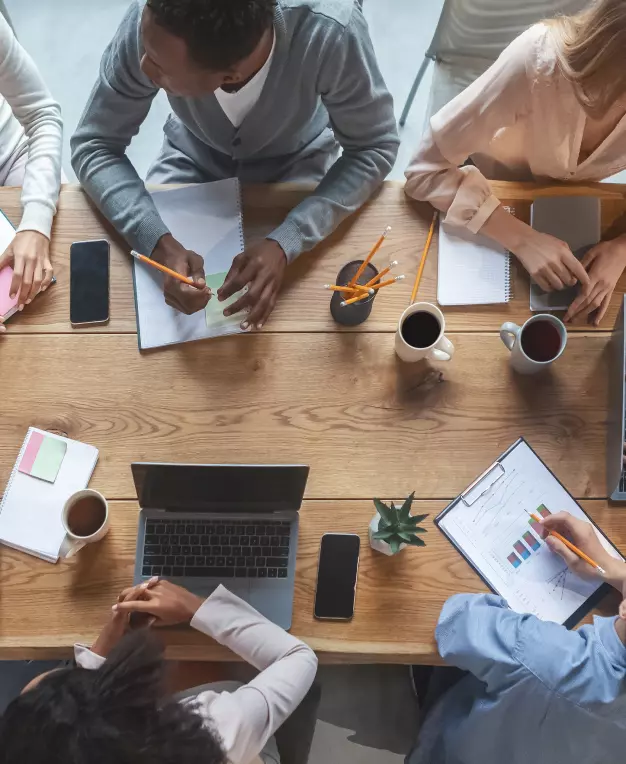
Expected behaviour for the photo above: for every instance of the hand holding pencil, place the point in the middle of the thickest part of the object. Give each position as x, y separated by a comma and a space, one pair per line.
577, 542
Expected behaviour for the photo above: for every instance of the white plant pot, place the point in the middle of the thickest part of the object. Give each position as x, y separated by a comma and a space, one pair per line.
378, 545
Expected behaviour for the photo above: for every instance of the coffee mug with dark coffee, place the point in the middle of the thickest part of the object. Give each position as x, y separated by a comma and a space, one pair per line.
86, 520
420, 334
536, 344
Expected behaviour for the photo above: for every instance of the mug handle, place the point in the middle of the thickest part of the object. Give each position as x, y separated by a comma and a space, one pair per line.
69, 548
509, 333
443, 350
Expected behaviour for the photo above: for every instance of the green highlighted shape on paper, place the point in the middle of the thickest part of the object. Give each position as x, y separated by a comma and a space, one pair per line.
214, 311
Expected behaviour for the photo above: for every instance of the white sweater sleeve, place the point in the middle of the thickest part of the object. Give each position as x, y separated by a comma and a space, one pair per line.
466, 126
24, 90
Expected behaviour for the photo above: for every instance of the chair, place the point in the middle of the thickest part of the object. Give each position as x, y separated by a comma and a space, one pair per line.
5, 13
470, 36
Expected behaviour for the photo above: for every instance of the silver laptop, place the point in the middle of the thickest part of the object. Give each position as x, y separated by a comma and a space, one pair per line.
205, 525
616, 424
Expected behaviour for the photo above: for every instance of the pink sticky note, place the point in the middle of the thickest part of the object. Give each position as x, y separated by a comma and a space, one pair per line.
7, 304
32, 449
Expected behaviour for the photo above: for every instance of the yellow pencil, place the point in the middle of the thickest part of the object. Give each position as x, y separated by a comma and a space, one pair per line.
165, 269
365, 262
360, 297
418, 278
347, 289
384, 272
570, 546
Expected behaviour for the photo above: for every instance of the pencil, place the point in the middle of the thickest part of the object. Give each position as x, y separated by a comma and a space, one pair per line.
365, 262
418, 278
347, 289
360, 297
571, 546
165, 269
384, 272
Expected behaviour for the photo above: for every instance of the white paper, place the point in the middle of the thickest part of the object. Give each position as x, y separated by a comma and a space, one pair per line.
31, 509
487, 531
473, 270
205, 218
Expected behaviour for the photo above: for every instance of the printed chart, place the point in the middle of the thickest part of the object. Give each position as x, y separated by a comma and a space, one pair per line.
498, 535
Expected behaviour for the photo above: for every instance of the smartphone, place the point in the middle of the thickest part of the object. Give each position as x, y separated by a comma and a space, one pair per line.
89, 282
337, 572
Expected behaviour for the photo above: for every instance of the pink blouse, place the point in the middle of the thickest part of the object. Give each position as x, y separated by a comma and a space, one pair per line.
519, 121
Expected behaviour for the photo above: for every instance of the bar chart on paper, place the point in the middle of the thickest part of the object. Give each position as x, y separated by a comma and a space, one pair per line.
500, 538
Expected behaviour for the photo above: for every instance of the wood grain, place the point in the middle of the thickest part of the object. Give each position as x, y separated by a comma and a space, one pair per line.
366, 423
304, 304
47, 608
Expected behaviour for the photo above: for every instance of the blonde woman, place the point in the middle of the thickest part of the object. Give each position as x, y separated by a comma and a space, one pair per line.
30, 156
551, 107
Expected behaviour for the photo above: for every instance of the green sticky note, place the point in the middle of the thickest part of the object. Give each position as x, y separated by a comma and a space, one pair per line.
214, 310
49, 459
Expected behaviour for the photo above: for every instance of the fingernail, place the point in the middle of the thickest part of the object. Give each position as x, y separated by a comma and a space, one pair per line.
227, 312
154, 580
245, 325
115, 608
259, 326
28, 302
21, 307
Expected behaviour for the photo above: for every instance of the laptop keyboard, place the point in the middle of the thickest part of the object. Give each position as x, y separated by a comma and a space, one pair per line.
216, 548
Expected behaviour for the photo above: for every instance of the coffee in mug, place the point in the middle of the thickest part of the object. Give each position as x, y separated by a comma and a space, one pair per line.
421, 329
536, 344
420, 334
86, 520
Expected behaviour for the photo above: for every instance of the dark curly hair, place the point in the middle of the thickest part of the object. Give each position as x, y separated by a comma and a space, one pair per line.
117, 714
218, 33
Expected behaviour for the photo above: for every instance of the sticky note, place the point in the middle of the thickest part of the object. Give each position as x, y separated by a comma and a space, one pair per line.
215, 309
7, 304
43, 457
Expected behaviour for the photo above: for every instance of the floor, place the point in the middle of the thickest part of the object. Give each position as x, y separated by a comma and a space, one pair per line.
368, 713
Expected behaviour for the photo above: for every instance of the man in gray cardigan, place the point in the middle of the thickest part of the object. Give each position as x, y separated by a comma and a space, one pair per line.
253, 86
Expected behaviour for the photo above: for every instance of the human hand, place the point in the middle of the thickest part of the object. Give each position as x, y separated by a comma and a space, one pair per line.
549, 261
261, 267
583, 535
183, 297
29, 256
120, 622
605, 263
167, 603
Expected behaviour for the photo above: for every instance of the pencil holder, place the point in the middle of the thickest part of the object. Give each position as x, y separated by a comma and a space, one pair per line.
355, 314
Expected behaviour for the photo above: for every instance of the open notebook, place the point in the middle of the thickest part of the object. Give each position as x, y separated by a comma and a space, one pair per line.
473, 270
205, 218
31, 507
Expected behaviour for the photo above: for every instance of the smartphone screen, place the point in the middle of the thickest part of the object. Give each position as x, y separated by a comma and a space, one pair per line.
89, 282
336, 576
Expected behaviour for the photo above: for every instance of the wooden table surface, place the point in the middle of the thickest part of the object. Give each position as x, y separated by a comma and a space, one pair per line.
303, 390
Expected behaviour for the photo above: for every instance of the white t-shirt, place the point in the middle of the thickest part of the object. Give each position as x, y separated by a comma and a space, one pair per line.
238, 105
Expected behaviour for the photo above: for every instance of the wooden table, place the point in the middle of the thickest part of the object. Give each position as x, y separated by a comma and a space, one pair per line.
303, 390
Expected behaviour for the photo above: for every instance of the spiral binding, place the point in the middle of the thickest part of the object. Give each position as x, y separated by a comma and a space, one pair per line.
242, 238
7, 490
508, 287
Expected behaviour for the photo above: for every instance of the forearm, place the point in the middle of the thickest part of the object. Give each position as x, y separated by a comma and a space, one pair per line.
506, 229
346, 187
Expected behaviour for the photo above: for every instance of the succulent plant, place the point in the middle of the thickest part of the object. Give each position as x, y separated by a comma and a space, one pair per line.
397, 526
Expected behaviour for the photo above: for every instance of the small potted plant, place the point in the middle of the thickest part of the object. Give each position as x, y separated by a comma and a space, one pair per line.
393, 528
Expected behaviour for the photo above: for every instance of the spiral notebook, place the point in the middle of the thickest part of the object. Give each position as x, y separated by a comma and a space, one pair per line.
205, 218
473, 270
48, 470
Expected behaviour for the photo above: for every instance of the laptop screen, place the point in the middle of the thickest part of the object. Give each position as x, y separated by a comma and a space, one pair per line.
220, 487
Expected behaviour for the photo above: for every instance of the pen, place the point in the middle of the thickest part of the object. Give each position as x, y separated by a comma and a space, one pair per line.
571, 547
165, 269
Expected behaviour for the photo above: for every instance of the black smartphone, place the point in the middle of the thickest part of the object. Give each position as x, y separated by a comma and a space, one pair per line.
89, 282
336, 576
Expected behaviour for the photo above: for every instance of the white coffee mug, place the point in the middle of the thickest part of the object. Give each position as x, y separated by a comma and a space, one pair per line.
73, 543
441, 349
512, 335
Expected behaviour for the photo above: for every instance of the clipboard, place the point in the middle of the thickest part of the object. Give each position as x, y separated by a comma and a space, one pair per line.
494, 479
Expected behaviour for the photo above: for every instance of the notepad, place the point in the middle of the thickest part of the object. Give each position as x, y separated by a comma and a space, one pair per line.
32, 504
473, 270
490, 524
205, 218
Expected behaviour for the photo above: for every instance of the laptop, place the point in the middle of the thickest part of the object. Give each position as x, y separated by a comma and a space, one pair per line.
205, 525
616, 424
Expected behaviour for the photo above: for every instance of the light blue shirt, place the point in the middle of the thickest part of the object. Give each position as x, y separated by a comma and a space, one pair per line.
537, 693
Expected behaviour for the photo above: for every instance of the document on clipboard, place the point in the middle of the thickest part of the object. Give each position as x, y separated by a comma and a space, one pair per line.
491, 527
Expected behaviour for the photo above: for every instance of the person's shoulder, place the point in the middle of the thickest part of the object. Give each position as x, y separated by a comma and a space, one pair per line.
331, 14
535, 50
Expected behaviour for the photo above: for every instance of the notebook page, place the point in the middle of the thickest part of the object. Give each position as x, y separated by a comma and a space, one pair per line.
31, 509
205, 218
473, 270
496, 533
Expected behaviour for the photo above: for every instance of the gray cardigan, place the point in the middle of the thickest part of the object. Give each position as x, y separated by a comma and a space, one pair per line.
324, 66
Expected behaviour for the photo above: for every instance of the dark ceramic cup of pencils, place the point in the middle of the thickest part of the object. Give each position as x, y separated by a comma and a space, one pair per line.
354, 313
